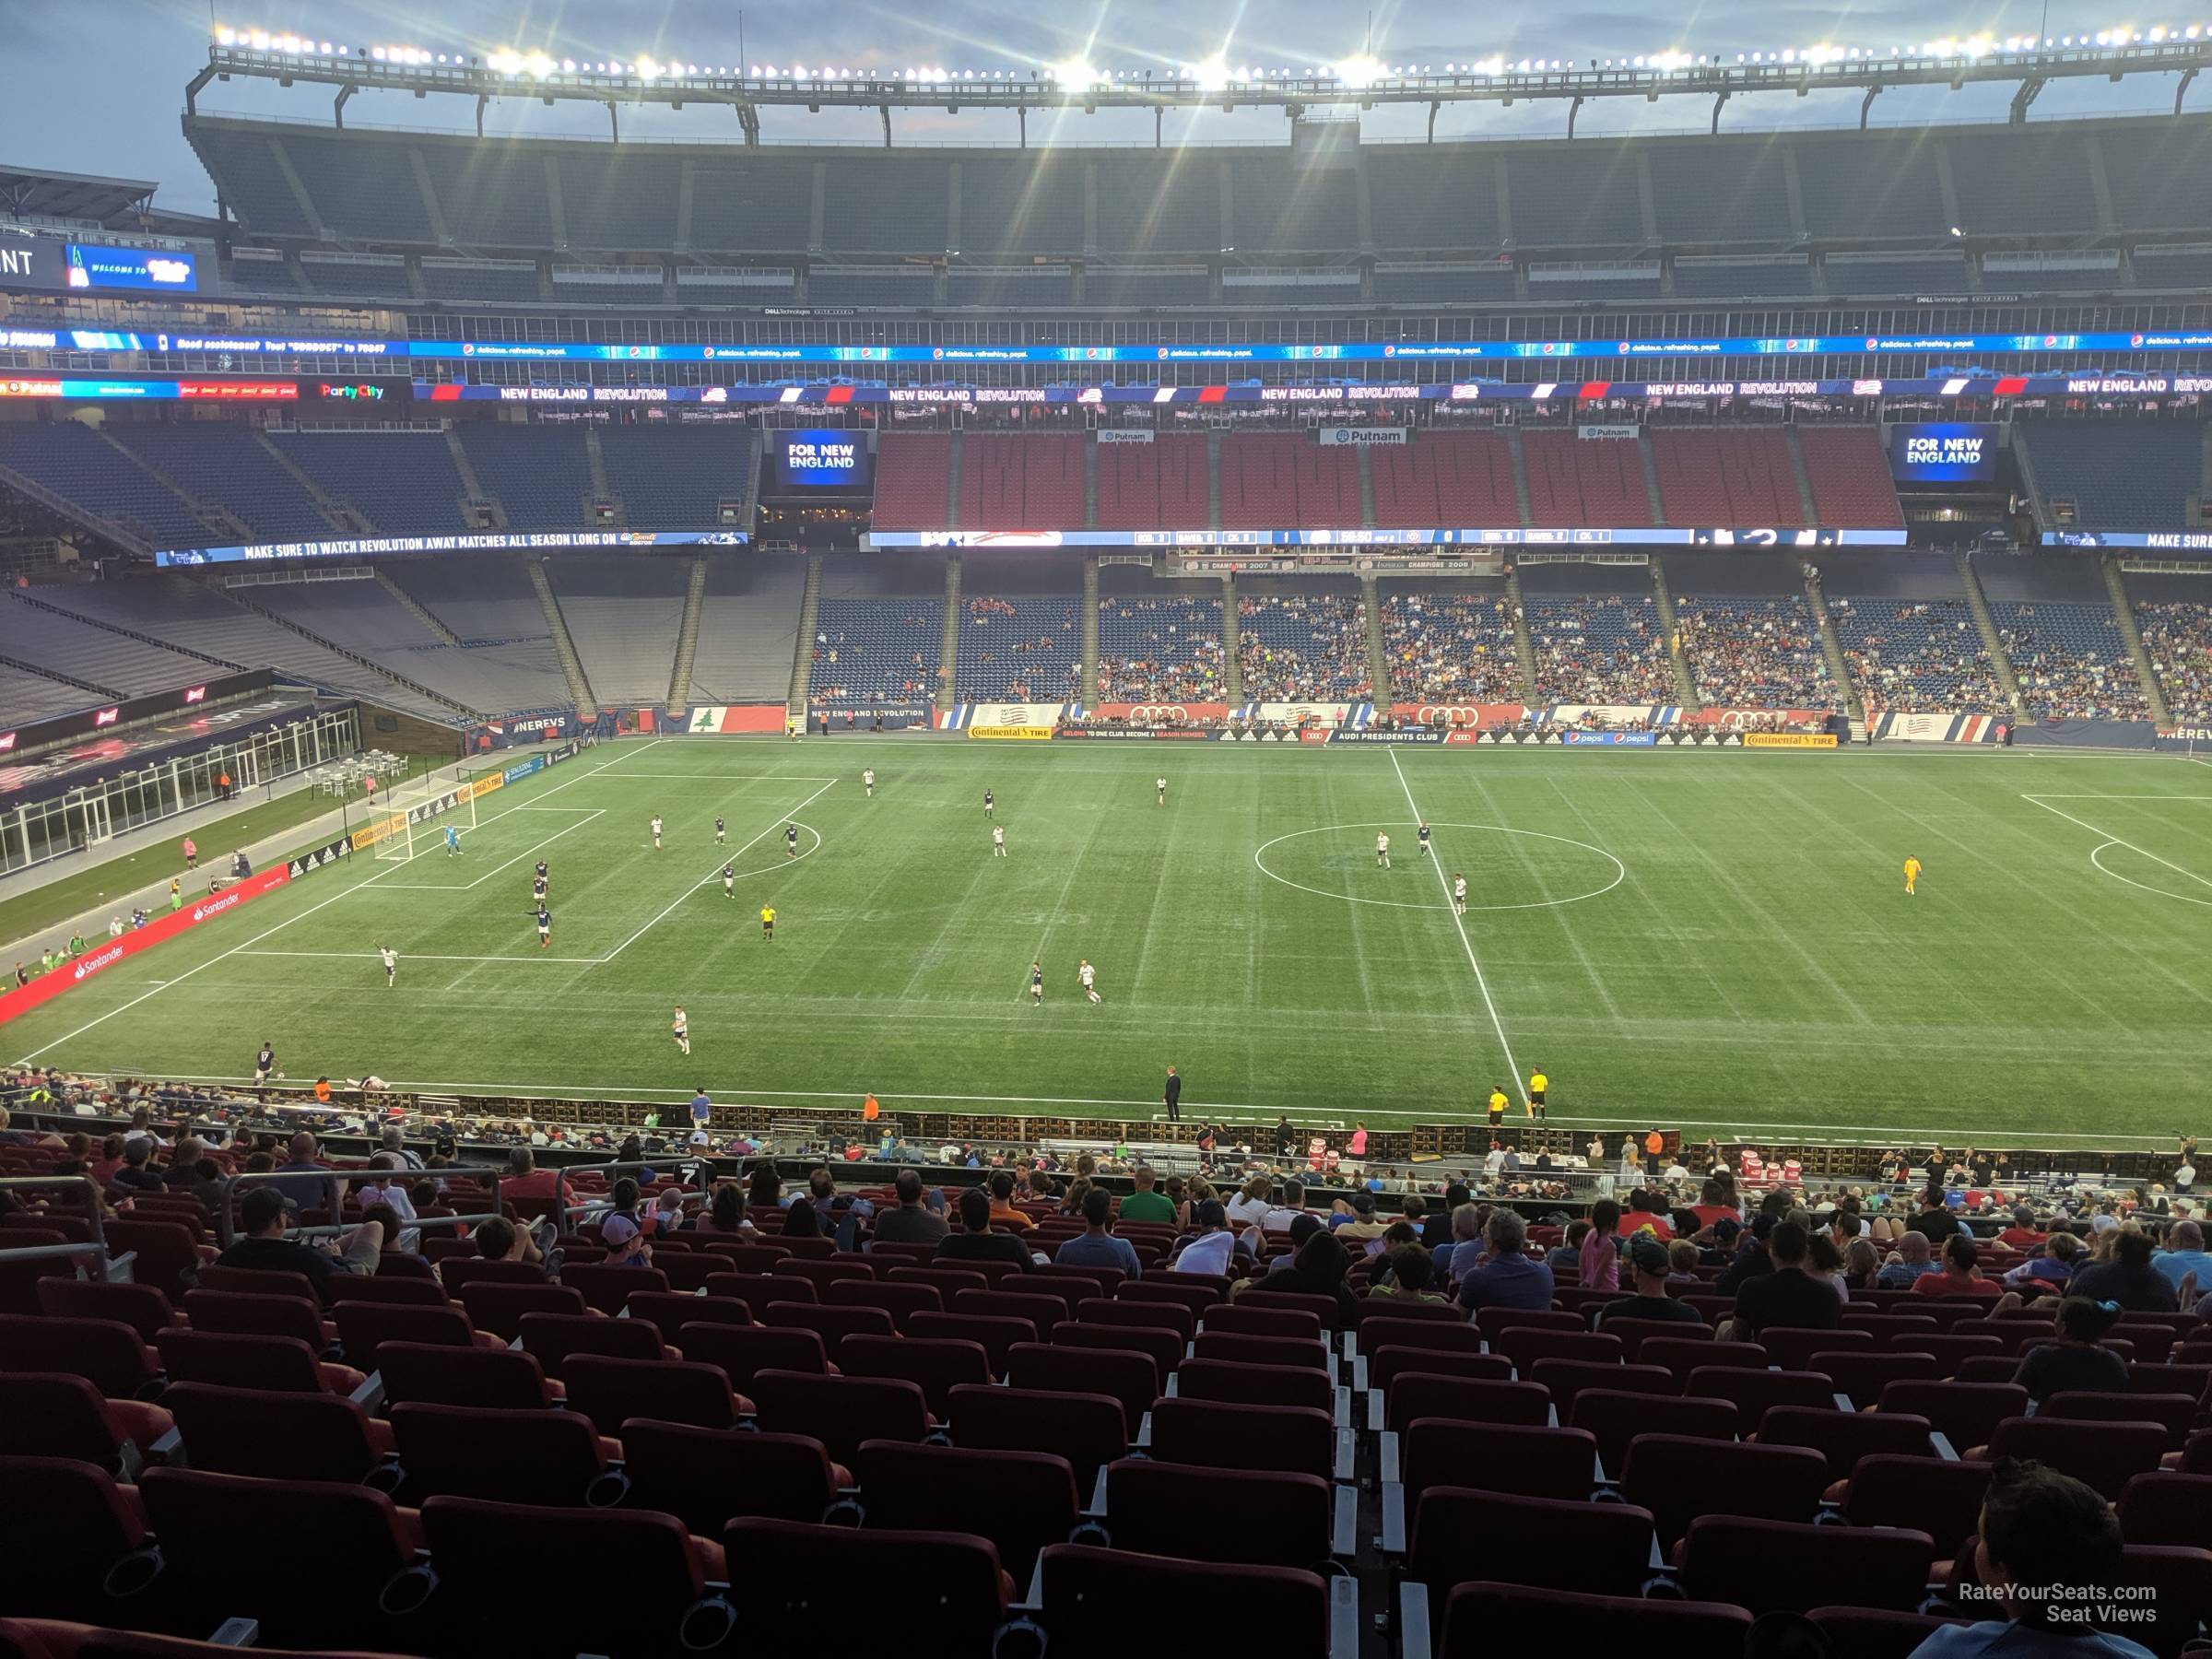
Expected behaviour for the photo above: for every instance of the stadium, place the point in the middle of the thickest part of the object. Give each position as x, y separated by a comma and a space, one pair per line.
1145, 767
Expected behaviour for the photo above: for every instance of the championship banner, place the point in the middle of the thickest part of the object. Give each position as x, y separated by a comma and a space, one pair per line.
745, 717
101, 957
1157, 713
1790, 740
1030, 734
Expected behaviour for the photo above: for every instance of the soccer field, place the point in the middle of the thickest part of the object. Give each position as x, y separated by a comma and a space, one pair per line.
1718, 942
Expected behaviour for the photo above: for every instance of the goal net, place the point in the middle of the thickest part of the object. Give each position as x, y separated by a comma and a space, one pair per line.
417, 816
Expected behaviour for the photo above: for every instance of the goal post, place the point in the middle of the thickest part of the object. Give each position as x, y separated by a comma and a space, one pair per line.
417, 816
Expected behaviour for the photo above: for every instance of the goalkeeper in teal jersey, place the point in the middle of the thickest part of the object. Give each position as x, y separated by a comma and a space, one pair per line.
453, 842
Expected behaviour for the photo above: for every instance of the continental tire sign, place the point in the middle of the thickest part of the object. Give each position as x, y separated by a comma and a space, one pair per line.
1020, 733
1796, 740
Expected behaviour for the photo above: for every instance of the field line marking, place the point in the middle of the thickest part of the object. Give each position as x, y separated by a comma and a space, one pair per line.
266, 933
2112, 839
357, 956
791, 817
438, 887
1482, 983
730, 777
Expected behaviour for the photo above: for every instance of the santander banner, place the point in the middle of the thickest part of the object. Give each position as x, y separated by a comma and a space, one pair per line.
110, 952
1159, 714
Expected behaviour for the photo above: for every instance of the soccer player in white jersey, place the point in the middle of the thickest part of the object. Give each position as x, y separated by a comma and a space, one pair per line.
867, 781
1382, 850
656, 833
1161, 784
998, 841
1459, 894
1089, 976
680, 1029
391, 958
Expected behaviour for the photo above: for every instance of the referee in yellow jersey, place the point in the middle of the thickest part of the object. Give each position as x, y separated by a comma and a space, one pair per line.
1498, 1105
768, 921
1538, 1084
1912, 873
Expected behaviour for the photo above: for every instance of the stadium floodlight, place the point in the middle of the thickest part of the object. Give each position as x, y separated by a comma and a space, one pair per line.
1358, 71
1210, 75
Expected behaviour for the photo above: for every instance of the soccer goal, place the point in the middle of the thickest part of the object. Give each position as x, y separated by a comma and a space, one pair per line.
418, 816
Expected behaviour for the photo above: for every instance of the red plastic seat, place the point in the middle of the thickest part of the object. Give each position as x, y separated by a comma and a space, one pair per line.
1493, 1323
168, 1252
1790, 1567
997, 1335
1465, 1400
1494, 1457
605, 1289
757, 1290
391, 1289
502, 1307
831, 1324
1128, 1374
1941, 1497
2104, 1455
822, 1274
1844, 1437
1193, 1291
1679, 1478
937, 1364
1446, 1336
52, 1414
1567, 1377
322, 1551
1235, 1319
900, 1302
840, 1412
282, 1364
1089, 1592
1386, 1366
1255, 1517
458, 1273
256, 1281
664, 1605
552, 1338
1683, 1355
744, 1256
1374, 1310
669, 1311
1524, 1345
1233, 1379
141, 1307
1325, 1308
1164, 1348
1263, 1351
550, 1458
1482, 1618
75, 1542
2175, 1413
1966, 1414
365, 1327
229, 1312
1088, 1430
1634, 1333
1461, 1534
274, 1436
1754, 1393
1021, 1500
444, 1374
687, 1270
741, 1352
1616, 1417
796, 1573
108, 1353
1143, 1316
608, 1390
2163, 1507
705, 1477
1792, 1347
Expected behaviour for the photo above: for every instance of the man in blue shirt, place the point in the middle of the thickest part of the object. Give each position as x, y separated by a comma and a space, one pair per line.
1098, 1247
702, 1109
2185, 1254
1506, 1276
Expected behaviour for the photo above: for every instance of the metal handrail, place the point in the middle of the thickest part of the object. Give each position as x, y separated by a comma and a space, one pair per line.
84, 1183
226, 1230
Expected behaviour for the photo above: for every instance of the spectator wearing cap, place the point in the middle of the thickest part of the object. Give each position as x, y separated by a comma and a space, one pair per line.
264, 1247
2128, 1278
1787, 1295
1098, 1247
1212, 1247
625, 1241
1647, 1260
1505, 1275
2047, 1552
2074, 1360
1354, 1222
137, 1173
975, 1242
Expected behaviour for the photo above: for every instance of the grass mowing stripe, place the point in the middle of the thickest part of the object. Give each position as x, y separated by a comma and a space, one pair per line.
2117, 841
1512, 1066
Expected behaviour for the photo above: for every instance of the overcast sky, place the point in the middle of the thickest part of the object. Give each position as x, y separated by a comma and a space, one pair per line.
97, 86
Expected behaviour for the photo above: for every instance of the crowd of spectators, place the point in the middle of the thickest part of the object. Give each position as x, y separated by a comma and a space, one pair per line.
1925, 656
2178, 636
1160, 651
1451, 647
1301, 647
1600, 650
2068, 662
1754, 653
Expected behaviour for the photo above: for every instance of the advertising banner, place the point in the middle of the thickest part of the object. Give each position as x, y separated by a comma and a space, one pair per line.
1609, 739
1126, 734
1943, 453
1116, 435
1309, 713
1940, 726
1627, 433
999, 734
330, 853
1459, 714
1790, 740
960, 716
367, 835
1372, 736
1148, 714
110, 952
1362, 437
743, 717
821, 458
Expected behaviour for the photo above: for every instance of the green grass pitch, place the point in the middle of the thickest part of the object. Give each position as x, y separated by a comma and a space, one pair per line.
1718, 942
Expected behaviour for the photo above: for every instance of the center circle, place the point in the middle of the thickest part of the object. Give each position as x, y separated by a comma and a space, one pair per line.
1360, 853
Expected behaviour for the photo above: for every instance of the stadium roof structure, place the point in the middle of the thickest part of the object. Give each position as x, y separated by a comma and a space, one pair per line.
29, 191
2029, 65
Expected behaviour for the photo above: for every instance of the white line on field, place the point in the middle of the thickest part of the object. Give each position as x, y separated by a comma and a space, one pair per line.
440, 887
715, 873
1467, 943
267, 931
2113, 841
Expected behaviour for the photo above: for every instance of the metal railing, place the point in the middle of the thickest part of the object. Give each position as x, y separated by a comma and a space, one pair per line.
333, 1182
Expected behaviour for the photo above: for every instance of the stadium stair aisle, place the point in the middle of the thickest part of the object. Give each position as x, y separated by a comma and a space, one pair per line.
2131, 636
687, 635
572, 666
1524, 644
1685, 686
1977, 605
1831, 647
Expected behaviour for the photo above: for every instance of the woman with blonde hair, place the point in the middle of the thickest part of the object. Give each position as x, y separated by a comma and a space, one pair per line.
1252, 1203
